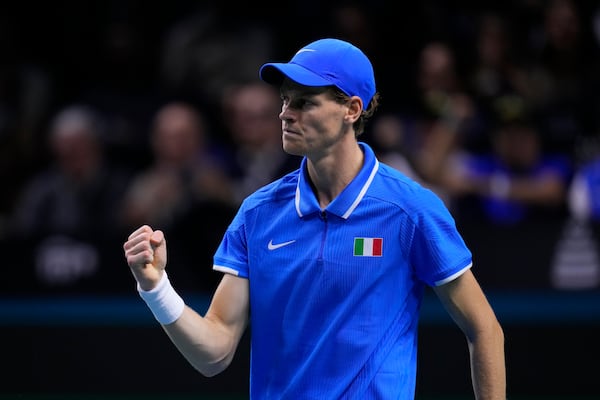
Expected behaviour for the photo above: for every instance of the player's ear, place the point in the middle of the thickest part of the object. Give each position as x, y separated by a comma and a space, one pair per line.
355, 106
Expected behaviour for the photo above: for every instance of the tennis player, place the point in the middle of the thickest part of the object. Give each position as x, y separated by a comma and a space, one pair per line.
327, 266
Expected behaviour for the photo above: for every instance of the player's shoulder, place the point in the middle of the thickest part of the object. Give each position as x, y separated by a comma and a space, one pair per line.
394, 181
394, 186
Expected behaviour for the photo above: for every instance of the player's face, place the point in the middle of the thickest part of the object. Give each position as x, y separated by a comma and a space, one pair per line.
312, 120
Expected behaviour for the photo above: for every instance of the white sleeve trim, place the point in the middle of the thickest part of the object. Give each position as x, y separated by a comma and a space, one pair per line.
226, 270
453, 276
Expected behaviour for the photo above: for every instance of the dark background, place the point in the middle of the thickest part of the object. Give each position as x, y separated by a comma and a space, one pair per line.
98, 339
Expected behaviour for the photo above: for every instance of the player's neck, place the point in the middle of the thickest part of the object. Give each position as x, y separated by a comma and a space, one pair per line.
330, 175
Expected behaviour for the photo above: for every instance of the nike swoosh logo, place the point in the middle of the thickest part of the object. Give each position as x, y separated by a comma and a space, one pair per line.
272, 246
303, 51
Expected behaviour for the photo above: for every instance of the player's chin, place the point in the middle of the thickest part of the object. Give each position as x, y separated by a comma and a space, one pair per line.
293, 144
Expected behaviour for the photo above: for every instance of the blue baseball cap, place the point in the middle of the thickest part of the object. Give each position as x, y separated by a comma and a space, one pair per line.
327, 62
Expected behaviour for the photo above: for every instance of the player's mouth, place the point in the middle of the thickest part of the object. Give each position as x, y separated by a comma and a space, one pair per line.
287, 131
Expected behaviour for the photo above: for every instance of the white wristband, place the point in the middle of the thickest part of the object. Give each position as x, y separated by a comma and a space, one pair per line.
164, 302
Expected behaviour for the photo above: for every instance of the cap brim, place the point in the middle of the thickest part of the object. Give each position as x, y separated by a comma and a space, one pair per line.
274, 73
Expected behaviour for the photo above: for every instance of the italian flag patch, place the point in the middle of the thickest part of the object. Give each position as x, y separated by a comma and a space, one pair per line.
368, 247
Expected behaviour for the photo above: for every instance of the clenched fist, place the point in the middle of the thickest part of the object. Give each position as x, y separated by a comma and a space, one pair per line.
146, 254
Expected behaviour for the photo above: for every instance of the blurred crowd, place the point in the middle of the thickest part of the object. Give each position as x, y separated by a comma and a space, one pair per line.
118, 114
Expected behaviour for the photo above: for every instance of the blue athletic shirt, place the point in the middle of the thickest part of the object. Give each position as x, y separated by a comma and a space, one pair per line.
335, 293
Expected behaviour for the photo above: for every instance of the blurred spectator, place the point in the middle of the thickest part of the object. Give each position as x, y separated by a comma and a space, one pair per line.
446, 115
250, 113
78, 194
494, 71
497, 70
70, 208
185, 191
186, 169
564, 60
516, 181
388, 138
